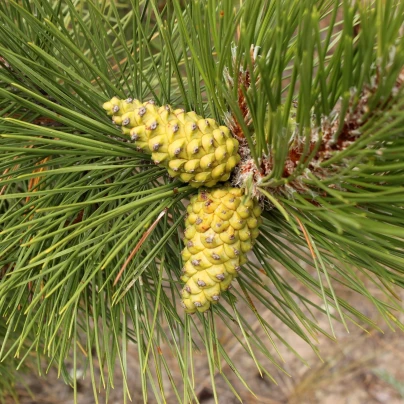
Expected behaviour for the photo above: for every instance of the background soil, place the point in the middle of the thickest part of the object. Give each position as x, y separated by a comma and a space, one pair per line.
362, 366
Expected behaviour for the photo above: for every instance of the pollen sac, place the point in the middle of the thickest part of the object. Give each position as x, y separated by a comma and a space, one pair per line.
220, 228
195, 150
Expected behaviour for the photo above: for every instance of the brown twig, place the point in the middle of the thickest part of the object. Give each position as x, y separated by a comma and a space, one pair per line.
139, 244
306, 236
33, 182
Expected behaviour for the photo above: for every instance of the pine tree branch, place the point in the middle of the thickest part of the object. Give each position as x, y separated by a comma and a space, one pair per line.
318, 109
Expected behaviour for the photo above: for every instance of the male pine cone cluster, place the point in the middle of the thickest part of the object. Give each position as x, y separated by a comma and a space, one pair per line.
222, 223
221, 227
196, 150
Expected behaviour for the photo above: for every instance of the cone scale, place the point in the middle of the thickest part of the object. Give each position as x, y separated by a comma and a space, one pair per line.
221, 227
196, 150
